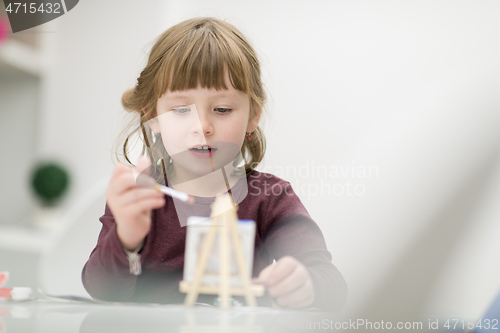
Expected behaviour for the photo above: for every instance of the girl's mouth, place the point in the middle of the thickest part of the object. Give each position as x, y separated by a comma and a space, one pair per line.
203, 151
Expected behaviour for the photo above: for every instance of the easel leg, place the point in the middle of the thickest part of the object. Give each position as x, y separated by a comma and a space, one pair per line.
224, 266
240, 259
192, 295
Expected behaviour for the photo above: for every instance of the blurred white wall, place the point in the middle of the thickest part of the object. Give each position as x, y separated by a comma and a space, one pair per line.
405, 91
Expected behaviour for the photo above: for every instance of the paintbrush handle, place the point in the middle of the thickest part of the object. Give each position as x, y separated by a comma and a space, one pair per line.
173, 193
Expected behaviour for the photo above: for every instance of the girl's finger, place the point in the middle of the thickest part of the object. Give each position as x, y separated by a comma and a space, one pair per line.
264, 274
142, 165
291, 282
122, 183
283, 267
147, 204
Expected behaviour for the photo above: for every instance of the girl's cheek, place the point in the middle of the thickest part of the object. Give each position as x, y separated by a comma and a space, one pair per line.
172, 144
171, 131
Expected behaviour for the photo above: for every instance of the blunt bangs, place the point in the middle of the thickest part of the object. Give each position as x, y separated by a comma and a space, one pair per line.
201, 58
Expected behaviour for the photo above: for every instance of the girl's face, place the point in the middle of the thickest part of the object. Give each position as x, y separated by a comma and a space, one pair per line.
192, 120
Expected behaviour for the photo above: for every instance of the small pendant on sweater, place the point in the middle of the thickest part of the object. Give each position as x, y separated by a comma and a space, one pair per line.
134, 260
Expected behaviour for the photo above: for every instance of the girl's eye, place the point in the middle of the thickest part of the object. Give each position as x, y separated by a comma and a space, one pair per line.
182, 110
223, 110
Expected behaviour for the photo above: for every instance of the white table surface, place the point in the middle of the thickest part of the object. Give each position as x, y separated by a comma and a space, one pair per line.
64, 316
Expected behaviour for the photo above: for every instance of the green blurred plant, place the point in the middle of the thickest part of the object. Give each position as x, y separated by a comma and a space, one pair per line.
49, 182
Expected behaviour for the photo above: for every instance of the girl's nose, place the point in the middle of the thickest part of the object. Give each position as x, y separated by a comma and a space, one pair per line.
205, 125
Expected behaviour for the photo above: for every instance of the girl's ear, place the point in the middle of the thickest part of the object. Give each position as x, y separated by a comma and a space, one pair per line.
254, 121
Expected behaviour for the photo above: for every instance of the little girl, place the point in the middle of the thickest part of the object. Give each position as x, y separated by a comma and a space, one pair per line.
201, 96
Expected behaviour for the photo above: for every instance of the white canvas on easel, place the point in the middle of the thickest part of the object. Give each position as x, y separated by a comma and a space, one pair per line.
197, 229
224, 225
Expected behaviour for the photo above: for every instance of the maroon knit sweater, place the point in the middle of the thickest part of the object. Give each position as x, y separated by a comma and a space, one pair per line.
283, 227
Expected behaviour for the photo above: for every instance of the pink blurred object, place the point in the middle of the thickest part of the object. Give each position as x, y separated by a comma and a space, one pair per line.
4, 292
4, 277
4, 29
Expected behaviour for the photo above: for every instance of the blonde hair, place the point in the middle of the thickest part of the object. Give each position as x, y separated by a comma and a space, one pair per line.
197, 52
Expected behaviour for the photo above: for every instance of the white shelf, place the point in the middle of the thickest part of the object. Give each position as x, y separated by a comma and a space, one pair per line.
18, 55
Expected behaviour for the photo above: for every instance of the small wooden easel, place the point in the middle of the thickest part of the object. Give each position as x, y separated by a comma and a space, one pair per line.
224, 219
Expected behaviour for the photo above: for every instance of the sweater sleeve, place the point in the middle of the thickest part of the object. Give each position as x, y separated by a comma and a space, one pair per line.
289, 230
106, 275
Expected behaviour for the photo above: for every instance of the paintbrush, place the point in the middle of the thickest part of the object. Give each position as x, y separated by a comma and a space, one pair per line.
148, 182
145, 181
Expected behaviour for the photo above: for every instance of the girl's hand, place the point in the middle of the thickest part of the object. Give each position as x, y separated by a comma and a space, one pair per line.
131, 206
289, 282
